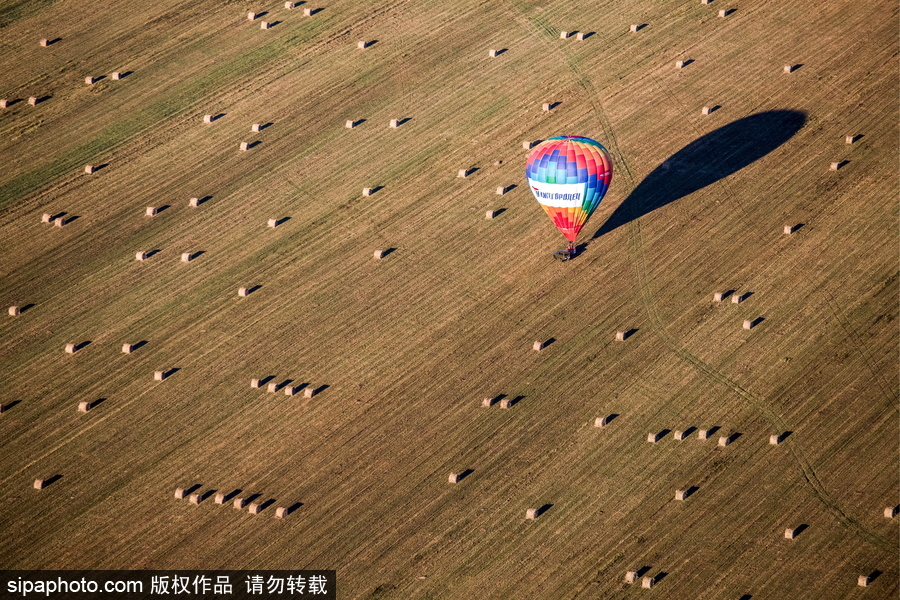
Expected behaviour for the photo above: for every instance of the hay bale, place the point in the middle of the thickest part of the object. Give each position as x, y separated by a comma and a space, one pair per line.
244, 146
89, 80
563, 35
379, 254
724, 440
186, 257
194, 202
538, 346
492, 53
462, 173
46, 218
362, 44
737, 298
634, 29
620, 336
490, 214
631, 576
242, 292
89, 169
680, 495
71, 348
722, 13
281, 512
454, 477
44, 42
273, 387
706, 110
680, 435
289, 5
127, 348
207, 118
394, 124
194, 498
703, 434
40, 484
718, 296
84, 407
506, 402
601, 421
679, 64
309, 391
350, 124
580, 36
367, 191
59, 222
705, 1
251, 16
791, 533
748, 324
220, 498
116, 76
532, 513
863, 580
891, 511
239, 503
775, 439
15, 311
273, 223
265, 25
850, 139
527, 145
254, 508
33, 100
4, 102
487, 402
152, 211
788, 68
648, 582
255, 383
501, 190
255, 127
2, 408
545, 107
159, 375
789, 229
834, 166
291, 390
307, 12
179, 493
653, 437
140, 256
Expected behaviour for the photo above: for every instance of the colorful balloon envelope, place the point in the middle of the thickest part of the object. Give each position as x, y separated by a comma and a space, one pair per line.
568, 176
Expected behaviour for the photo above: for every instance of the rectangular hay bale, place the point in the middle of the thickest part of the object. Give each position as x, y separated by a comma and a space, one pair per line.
152, 211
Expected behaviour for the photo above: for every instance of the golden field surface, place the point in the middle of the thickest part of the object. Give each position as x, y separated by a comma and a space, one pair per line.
408, 345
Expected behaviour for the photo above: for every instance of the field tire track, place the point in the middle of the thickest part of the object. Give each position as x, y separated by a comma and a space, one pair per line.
640, 270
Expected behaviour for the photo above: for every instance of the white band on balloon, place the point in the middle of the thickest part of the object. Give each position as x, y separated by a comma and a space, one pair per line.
558, 195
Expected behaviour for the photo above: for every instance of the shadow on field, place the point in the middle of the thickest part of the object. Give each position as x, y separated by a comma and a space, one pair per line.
705, 161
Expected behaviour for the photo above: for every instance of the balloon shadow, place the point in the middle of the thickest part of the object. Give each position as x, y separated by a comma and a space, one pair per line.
705, 161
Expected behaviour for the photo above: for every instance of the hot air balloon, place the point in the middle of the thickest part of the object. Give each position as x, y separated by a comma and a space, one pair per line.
568, 176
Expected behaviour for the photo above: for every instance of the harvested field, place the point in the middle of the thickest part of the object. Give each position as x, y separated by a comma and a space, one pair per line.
409, 344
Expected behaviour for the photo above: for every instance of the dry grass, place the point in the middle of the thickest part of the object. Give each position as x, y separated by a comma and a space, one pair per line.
406, 343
